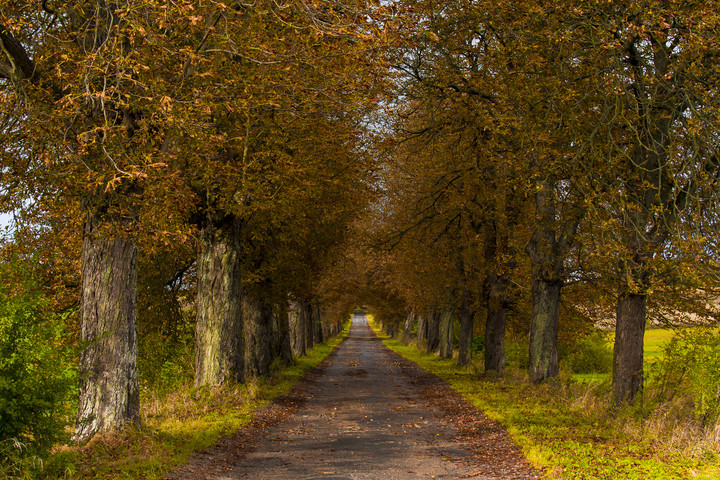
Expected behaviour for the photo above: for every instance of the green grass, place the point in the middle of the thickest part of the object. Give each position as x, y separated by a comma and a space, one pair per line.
176, 425
654, 344
568, 429
655, 341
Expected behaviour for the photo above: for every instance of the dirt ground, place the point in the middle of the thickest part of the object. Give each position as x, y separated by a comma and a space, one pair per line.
367, 413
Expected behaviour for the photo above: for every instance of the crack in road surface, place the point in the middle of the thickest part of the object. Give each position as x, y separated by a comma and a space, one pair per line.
367, 414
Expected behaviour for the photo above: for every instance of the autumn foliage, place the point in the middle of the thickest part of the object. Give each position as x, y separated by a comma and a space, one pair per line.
251, 172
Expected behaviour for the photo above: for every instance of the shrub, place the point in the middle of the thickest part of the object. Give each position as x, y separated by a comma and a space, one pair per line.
164, 363
592, 354
517, 355
691, 366
478, 344
36, 376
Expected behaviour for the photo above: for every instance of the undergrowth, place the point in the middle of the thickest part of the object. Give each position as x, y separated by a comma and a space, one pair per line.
571, 430
176, 424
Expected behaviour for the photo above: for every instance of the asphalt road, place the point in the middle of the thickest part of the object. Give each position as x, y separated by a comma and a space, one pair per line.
369, 414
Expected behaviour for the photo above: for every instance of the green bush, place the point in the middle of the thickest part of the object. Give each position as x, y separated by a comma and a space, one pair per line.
36, 375
165, 362
691, 367
517, 355
592, 354
478, 345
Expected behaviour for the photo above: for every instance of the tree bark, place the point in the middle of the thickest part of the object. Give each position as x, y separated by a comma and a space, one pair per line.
258, 318
447, 322
433, 331
421, 331
495, 337
307, 321
548, 249
466, 331
297, 328
628, 355
317, 319
219, 353
283, 350
544, 329
407, 328
109, 390
495, 322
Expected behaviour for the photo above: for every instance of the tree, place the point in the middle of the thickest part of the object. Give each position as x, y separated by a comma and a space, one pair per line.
658, 127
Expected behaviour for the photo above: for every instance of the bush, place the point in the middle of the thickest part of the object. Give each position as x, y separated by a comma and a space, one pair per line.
164, 363
35, 374
592, 354
478, 345
691, 367
517, 355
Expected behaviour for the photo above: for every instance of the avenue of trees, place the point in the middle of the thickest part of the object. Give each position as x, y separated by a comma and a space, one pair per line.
268, 166
547, 164
206, 150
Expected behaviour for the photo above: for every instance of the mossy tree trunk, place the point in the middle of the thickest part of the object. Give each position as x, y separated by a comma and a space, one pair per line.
281, 335
447, 323
219, 355
407, 328
307, 321
108, 372
548, 248
297, 328
317, 319
544, 329
421, 331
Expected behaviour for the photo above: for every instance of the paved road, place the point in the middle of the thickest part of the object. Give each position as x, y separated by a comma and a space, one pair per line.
365, 417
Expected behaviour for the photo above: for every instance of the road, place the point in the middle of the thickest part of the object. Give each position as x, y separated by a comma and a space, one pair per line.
368, 415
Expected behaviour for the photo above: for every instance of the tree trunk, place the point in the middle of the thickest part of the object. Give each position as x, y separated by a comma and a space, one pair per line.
495, 337
447, 322
109, 390
466, 331
407, 328
297, 329
548, 248
219, 328
326, 327
307, 321
433, 331
283, 350
544, 329
422, 331
628, 356
317, 319
495, 322
258, 318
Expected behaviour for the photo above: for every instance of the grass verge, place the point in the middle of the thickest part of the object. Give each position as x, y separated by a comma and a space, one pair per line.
176, 425
570, 431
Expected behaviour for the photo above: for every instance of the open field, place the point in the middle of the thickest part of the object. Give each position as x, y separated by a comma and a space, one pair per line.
655, 341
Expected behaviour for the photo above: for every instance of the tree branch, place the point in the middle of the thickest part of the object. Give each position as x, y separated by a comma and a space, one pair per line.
16, 63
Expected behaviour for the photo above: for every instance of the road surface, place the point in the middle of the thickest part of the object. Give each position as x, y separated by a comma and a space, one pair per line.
368, 414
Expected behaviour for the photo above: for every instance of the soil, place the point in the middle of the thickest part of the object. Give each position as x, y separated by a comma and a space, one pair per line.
366, 413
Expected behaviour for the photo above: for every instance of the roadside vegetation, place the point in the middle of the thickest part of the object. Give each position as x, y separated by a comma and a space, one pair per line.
570, 428
178, 420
